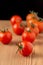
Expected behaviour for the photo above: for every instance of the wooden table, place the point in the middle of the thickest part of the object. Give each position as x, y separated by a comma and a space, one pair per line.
8, 54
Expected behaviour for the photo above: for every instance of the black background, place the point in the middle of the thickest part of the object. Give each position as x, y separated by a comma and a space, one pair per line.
20, 7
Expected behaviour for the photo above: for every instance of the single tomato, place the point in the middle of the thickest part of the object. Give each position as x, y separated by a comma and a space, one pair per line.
15, 19
34, 21
5, 37
40, 26
32, 15
25, 48
18, 29
34, 28
28, 35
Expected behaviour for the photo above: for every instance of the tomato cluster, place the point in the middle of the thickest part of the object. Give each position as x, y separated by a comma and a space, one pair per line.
29, 33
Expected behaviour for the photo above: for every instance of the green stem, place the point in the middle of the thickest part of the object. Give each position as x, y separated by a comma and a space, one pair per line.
17, 50
19, 47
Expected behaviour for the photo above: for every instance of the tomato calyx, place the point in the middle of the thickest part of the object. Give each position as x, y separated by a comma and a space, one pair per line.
20, 47
32, 12
35, 15
22, 25
28, 29
32, 25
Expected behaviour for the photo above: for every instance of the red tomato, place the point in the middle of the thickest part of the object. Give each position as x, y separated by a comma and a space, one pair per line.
1, 35
18, 29
28, 35
15, 19
40, 26
34, 28
5, 37
25, 48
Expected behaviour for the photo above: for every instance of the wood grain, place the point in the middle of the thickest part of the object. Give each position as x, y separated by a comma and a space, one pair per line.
8, 54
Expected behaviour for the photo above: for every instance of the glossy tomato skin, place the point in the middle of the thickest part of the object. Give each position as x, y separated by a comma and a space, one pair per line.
35, 30
15, 19
1, 35
27, 48
40, 26
28, 36
18, 29
31, 16
34, 21
6, 37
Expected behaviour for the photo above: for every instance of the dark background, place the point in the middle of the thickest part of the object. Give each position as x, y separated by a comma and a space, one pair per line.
20, 7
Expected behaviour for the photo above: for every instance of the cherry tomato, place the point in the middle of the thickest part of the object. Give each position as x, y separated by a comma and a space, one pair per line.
15, 19
32, 15
5, 37
18, 29
40, 26
28, 35
34, 21
25, 48
1, 35
34, 28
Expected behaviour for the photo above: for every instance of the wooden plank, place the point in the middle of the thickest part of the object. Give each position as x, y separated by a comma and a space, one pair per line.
8, 54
